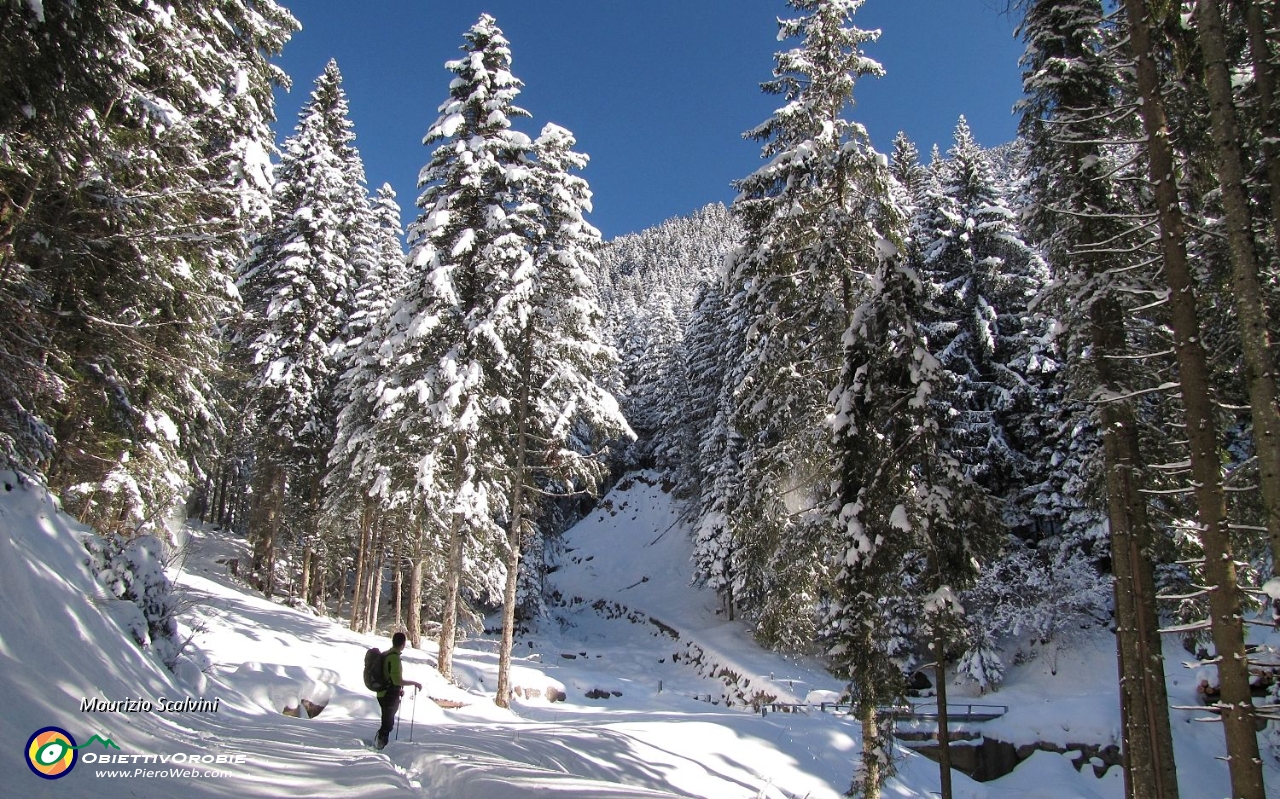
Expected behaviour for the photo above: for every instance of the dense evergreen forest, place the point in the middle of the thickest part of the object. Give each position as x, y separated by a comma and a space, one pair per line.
944, 412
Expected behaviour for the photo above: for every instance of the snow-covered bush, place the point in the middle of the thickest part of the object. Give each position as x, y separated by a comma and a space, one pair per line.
1040, 592
132, 569
981, 661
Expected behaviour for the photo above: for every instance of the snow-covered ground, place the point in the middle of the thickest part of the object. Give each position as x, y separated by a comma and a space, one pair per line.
653, 682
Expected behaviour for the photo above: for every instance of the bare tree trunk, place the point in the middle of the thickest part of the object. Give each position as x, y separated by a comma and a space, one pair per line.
362, 558
869, 777
308, 555
319, 592
415, 600
503, 696
376, 604
203, 499
944, 719
220, 494
1079, 110
453, 571
1148, 750
1226, 615
1251, 310
1126, 720
371, 570
342, 592
399, 600
1148, 739
265, 551
1260, 43
311, 531
514, 536
375, 593
415, 593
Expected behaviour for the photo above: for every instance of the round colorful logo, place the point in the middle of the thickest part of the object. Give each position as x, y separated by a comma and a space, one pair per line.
51, 752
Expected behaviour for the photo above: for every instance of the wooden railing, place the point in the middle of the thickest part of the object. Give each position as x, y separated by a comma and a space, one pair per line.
956, 712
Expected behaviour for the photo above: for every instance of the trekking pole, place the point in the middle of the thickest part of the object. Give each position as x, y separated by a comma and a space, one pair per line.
413, 714
397, 721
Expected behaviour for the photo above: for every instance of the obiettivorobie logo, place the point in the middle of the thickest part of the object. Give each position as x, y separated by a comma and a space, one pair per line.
51, 751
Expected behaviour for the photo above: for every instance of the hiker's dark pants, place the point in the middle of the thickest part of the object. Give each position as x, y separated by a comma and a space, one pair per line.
390, 703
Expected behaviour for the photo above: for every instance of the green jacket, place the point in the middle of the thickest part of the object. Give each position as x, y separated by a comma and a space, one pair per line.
391, 671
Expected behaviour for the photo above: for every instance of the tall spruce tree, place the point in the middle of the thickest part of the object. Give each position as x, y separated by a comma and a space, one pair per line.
297, 286
1246, 275
359, 485
442, 408
982, 279
908, 524
716, 341
794, 282
548, 318
1226, 619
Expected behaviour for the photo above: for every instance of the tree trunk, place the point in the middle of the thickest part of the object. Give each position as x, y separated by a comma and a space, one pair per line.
376, 604
1251, 310
342, 591
869, 777
1148, 738
1269, 110
1079, 108
220, 494
503, 696
944, 720
318, 588
399, 600
375, 585
264, 555
514, 535
453, 571
415, 594
308, 556
1226, 617
362, 559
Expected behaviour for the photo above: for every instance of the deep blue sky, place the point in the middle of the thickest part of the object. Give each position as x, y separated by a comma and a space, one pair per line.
658, 92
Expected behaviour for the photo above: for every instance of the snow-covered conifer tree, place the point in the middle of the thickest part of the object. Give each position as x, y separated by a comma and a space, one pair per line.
297, 286
909, 522
549, 319
442, 408
794, 281
713, 345
127, 184
905, 165
358, 484
983, 278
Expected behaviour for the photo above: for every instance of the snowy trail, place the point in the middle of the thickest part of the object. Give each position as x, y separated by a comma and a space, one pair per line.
631, 724
633, 553
524, 759
649, 685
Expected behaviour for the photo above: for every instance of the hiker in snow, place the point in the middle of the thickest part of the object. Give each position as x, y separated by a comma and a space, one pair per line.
389, 697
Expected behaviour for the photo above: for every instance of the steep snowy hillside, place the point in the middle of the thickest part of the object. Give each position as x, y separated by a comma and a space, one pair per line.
637, 688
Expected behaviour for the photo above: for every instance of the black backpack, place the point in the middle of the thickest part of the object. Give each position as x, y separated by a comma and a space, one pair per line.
373, 676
